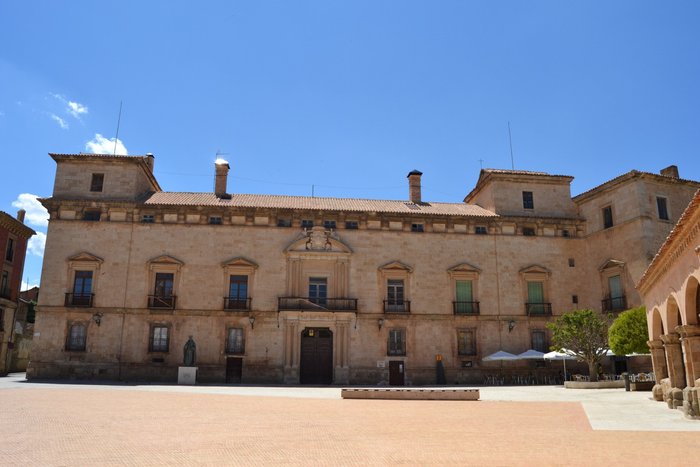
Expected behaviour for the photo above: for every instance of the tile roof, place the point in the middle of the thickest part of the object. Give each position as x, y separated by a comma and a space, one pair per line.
306, 202
629, 175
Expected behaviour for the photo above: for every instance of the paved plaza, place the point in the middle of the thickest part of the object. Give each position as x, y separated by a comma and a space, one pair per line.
119, 424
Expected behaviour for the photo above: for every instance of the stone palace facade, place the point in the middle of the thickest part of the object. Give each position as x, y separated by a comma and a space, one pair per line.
285, 289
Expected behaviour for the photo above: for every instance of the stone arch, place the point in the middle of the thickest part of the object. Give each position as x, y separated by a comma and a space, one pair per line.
673, 315
655, 324
692, 301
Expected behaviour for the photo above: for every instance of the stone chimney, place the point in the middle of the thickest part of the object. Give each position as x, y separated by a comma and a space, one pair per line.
222, 169
670, 171
150, 161
414, 186
20, 215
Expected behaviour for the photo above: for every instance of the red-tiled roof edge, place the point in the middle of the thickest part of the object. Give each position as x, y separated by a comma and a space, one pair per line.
680, 227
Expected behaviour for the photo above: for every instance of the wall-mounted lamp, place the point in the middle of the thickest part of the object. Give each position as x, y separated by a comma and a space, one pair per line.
511, 325
252, 321
380, 322
97, 318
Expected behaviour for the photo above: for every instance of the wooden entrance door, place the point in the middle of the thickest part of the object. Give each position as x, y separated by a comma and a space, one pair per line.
396, 372
234, 369
316, 366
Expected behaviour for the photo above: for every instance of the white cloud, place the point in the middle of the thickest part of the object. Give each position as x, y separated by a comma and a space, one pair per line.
76, 109
36, 244
62, 123
37, 215
102, 145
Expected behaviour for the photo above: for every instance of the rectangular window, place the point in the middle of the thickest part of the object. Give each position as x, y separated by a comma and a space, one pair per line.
466, 344
539, 341
328, 225
10, 251
572, 262
565, 233
574, 299
159, 339
235, 343
148, 218
480, 230
284, 222
607, 217
351, 225
307, 223
416, 227
76, 338
395, 295
662, 207
464, 300
82, 289
528, 201
164, 284
97, 182
528, 231
215, 220
318, 290
5, 285
91, 215
535, 297
397, 342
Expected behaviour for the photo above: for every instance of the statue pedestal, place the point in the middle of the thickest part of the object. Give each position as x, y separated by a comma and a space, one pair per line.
187, 375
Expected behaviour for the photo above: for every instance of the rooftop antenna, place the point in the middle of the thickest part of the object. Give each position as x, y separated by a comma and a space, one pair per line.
481, 163
119, 119
510, 140
219, 153
312, 190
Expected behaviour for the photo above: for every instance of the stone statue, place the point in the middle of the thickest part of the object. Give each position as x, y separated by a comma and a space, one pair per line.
190, 351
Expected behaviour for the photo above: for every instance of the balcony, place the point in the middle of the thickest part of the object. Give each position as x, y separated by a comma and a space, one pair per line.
161, 302
538, 309
465, 308
237, 304
316, 304
397, 306
79, 299
614, 304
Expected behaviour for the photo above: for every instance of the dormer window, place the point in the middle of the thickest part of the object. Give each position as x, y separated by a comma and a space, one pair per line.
97, 182
528, 201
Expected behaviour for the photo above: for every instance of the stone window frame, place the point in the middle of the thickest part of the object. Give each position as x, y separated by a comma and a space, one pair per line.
239, 266
666, 207
97, 182
528, 200
69, 347
464, 272
10, 249
164, 264
474, 349
535, 273
395, 270
83, 261
603, 209
546, 338
227, 347
611, 268
151, 329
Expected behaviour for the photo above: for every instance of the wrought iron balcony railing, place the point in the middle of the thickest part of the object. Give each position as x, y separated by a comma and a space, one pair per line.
316, 304
397, 306
237, 304
615, 304
166, 302
538, 309
79, 299
465, 308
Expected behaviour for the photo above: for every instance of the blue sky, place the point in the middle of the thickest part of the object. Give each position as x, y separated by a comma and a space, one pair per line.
348, 96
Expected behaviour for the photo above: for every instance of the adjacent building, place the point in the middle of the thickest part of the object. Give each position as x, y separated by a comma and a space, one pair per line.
14, 236
288, 289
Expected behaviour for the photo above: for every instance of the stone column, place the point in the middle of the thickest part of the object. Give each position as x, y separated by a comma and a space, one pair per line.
690, 343
658, 361
674, 360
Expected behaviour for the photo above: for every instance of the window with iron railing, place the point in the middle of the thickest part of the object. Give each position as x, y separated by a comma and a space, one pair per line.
76, 337
235, 343
396, 345
159, 338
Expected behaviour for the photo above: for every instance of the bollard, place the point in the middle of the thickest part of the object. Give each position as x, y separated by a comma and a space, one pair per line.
626, 378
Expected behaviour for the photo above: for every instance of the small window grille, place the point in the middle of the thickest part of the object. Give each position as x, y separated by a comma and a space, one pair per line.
480, 230
284, 222
307, 224
97, 182
215, 220
329, 225
528, 200
351, 225
572, 262
148, 218
528, 231
417, 228
91, 215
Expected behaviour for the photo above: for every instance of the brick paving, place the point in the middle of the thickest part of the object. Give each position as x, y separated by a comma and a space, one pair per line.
103, 426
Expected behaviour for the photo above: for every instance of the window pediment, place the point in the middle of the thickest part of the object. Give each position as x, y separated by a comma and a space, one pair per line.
464, 268
612, 264
165, 261
85, 257
396, 266
240, 262
535, 269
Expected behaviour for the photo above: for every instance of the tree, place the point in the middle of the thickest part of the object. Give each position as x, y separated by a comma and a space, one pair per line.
585, 334
628, 333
